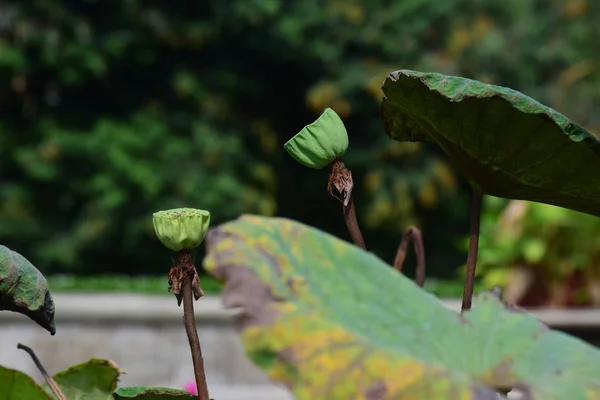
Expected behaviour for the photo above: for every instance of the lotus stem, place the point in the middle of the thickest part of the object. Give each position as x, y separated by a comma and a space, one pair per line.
352, 224
53, 386
473, 249
341, 179
412, 233
184, 261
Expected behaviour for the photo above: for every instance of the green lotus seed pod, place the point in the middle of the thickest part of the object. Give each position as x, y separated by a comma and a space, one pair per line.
320, 143
181, 228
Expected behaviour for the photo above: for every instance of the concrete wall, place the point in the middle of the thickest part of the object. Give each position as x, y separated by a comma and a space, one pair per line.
144, 335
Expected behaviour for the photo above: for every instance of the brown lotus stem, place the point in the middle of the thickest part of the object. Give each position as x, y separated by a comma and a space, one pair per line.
352, 225
184, 262
473, 249
412, 233
53, 386
341, 179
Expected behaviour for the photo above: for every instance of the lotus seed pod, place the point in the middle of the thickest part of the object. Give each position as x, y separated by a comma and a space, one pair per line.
317, 145
181, 228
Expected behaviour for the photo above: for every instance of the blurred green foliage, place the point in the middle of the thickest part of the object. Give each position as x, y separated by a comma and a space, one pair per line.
157, 284
554, 251
149, 284
113, 110
517, 232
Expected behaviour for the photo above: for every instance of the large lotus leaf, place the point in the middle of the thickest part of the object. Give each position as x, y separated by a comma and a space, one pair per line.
507, 144
15, 385
24, 289
151, 393
92, 380
332, 321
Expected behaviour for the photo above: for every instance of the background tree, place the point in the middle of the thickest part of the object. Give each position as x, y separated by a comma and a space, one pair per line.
103, 104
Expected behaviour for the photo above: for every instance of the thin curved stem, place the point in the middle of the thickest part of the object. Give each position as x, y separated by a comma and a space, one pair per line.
53, 386
352, 224
184, 261
412, 233
473, 249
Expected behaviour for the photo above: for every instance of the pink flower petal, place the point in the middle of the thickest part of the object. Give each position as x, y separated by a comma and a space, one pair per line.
190, 387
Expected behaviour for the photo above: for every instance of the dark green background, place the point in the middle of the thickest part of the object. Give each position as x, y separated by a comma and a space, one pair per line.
111, 110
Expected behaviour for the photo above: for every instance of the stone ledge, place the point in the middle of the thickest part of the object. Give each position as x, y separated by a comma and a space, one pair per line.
553, 317
249, 392
139, 308
131, 308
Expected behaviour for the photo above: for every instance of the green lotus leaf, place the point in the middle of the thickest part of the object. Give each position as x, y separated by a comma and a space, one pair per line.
16, 385
24, 289
95, 379
333, 321
506, 143
151, 393
319, 144
181, 228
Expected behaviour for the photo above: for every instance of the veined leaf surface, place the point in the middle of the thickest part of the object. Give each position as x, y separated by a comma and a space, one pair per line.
332, 321
506, 143
24, 289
